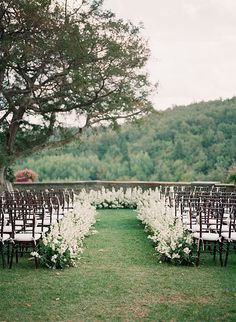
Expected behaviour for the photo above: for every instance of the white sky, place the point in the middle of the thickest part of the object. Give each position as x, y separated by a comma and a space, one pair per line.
193, 45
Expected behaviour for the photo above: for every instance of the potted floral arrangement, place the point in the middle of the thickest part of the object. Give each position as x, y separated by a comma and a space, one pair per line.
26, 175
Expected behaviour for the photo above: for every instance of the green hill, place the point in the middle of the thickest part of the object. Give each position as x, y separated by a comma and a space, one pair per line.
195, 142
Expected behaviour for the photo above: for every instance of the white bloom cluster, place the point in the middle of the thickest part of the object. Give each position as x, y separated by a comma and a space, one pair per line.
35, 254
63, 243
113, 198
173, 242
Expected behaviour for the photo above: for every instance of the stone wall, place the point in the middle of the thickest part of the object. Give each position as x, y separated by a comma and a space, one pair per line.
77, 186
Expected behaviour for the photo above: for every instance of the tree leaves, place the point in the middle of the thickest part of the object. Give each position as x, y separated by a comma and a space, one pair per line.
56, 60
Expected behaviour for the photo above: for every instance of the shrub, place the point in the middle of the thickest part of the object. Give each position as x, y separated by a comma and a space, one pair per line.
232, 174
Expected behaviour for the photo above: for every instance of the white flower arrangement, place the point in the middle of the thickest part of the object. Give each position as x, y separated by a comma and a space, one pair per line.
113, 198
173, 242
63, 245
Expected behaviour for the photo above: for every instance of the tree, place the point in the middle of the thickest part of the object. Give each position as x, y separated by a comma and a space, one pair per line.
56, 60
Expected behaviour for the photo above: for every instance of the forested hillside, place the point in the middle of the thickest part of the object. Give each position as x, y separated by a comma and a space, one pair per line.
195, 142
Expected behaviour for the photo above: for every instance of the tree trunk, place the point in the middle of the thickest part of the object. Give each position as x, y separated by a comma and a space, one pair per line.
5, 185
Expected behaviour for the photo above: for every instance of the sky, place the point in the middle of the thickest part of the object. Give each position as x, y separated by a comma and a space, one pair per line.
193, 47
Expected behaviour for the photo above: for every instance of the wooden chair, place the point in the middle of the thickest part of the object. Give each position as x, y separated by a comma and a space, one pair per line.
229, 236
4, 238
205, 237
27, 237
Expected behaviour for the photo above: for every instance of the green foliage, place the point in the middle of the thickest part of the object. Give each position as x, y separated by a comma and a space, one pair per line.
181, 255
57, 61
232, 177
188, 143
10, 174
53, 259
232, 174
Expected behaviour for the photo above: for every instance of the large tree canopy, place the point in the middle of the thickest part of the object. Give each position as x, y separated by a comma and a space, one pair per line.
55, 60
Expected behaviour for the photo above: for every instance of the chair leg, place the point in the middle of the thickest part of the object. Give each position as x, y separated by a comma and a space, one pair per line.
198, 252
227, 252
12, 254
35, 258
8, 253
221, 251
17, 253
3, 258
22, 250
214, 251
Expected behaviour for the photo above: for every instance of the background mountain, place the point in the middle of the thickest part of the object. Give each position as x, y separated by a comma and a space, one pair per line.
185, 143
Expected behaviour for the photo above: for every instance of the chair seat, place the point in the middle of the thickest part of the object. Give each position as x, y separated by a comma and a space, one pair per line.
196, 227
58, 216
212, 221
47, 221
24, 237
4, 237
19, 222
224, 228
8, 229
206, 236
38, 229
226, 236
186, 220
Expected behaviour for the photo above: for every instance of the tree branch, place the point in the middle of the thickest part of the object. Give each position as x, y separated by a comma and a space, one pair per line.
115, 117
49, 145
5, 116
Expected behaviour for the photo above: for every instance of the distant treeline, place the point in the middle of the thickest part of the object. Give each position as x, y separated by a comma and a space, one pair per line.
185, 143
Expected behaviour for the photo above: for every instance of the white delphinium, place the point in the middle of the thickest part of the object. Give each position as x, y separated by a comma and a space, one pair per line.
173, 242
105, 198
63, 244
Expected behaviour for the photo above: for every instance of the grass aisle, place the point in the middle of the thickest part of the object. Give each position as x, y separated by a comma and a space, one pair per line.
119, 279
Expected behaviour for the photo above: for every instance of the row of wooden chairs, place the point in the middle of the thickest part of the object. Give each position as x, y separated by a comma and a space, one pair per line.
212, 220
191, 189
183, 203
64, 197
24, 217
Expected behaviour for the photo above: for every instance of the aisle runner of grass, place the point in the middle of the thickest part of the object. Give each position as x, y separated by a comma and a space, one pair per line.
119, 279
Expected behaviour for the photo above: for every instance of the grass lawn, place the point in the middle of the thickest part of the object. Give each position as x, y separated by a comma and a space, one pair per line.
119, 279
